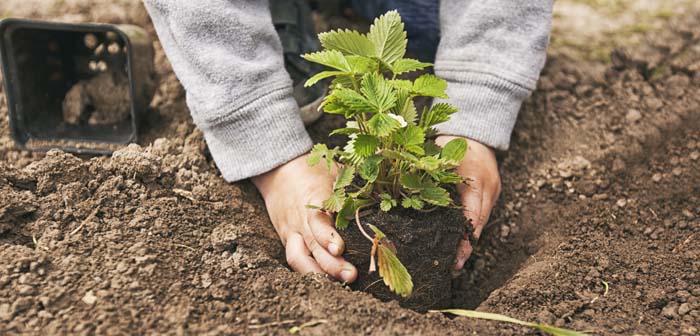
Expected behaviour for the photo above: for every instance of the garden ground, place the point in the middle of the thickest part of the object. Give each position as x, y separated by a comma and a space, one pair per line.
597, 228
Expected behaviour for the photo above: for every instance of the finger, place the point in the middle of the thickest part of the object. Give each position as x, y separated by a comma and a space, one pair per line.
464, 250
298, 255
323, 232
472, 199
486, 207
334, 266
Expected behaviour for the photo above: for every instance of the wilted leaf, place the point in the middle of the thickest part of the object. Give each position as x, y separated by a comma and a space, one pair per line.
502, 318
393, 272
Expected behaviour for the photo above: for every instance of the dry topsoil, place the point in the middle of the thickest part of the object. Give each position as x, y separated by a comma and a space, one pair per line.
597, 228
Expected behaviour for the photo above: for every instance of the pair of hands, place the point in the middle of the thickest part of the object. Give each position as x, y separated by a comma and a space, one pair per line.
310, 239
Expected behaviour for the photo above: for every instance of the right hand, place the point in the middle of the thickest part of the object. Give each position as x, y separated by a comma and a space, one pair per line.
311, 242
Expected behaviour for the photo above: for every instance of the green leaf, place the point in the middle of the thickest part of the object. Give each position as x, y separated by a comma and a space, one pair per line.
431, 148
348, 42
402, 84
412, 181
361, 64
379, 93
454, 150
407, 65
387, 202
330, 58
335, 202
439, 113
393, 272
428, 163
365, 145
430, 86
331, 105
353, 100
394, 155
343, 217
322, 75
342, 82
385, 206
382, 125
447, 177
344, 178
413, 202
388, 37
370, 168
345, 131
405, 107
435, 195
320, 151
347, 212
409, 135
416, 149
502, 318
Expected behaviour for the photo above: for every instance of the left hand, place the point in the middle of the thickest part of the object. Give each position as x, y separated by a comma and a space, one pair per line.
480, 169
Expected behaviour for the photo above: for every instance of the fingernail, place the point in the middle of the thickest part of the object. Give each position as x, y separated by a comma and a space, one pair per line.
346, 275
334, 249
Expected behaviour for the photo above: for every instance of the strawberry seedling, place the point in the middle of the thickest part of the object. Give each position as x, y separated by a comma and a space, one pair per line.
391, 159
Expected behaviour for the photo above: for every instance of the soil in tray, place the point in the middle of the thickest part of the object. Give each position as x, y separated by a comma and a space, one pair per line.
426, 243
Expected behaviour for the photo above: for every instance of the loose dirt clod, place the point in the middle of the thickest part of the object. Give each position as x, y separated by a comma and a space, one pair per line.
103, 99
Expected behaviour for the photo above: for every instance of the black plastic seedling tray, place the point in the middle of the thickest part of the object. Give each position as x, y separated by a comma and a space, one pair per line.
42, 61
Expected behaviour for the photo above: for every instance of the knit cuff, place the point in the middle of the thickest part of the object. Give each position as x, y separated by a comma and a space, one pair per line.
258, 137
488, 107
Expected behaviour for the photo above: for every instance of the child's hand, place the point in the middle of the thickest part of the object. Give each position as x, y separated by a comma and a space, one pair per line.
311, 242
480, 169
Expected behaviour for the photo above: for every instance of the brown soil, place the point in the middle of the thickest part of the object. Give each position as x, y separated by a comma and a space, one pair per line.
103, 99
601, 184
425, 243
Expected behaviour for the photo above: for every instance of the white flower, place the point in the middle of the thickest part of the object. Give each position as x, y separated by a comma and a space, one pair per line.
398, 118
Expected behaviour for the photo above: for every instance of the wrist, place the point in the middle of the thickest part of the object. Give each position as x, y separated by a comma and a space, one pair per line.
265, 182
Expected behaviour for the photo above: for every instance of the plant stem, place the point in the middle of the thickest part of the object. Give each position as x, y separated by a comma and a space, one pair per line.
359, 225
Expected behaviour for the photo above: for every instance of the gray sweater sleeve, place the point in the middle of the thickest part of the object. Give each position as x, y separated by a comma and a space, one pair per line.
229, 59
491, 53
